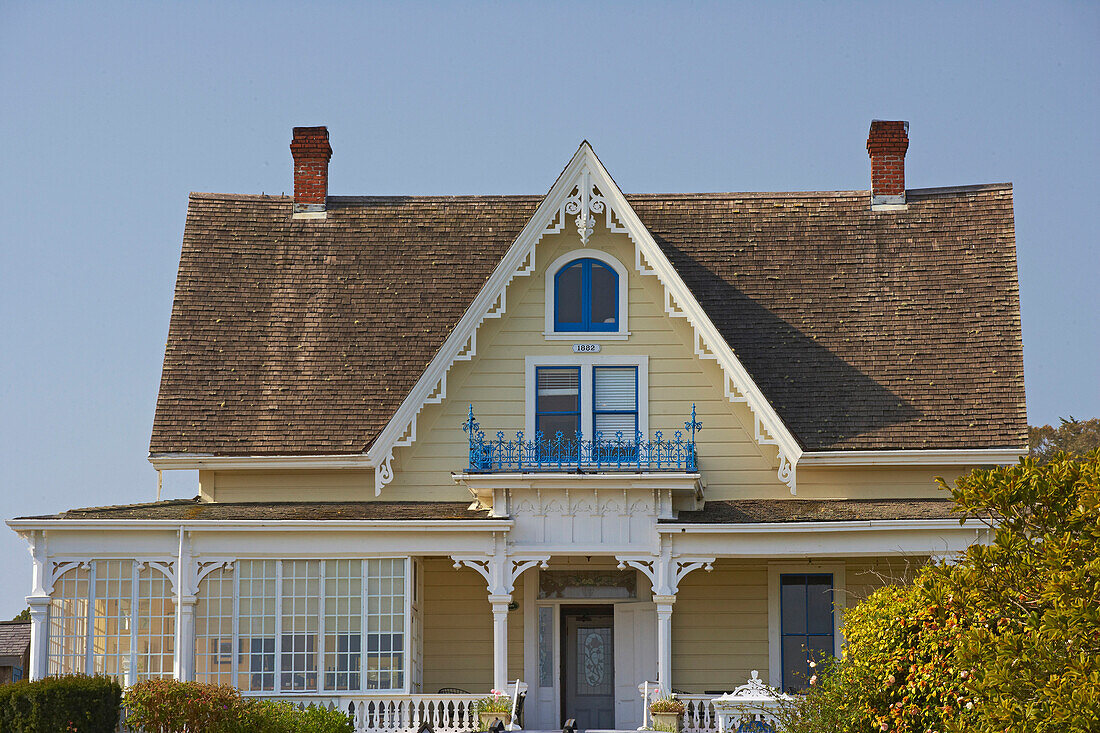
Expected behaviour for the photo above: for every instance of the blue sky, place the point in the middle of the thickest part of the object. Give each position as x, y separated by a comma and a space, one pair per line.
112, 112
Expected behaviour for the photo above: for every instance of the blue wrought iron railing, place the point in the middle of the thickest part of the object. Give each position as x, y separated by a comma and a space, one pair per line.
603, 453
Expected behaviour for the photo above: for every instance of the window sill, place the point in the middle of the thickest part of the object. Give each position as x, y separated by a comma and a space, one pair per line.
586, 336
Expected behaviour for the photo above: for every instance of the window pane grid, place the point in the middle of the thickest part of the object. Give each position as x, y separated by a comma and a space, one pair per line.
301, 595
111, 617
156, 637
385, 624
68, 623
214, 628
343, 623
256, 618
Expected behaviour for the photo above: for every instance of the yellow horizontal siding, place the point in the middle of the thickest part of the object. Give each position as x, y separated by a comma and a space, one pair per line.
720, 627
458, 630
493, 382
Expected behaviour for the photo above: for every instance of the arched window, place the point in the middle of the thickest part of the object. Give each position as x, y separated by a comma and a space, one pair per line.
586, 296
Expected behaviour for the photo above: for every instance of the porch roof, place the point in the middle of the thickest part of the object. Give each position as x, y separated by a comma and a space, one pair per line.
751, 511
194, 509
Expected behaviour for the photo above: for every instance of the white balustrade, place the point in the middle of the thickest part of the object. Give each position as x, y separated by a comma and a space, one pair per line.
397, 713
699, 714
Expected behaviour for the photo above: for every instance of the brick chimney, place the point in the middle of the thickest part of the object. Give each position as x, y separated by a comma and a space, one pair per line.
311, 153
886, 144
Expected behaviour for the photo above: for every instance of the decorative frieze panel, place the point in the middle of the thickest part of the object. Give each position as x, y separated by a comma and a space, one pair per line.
595, 517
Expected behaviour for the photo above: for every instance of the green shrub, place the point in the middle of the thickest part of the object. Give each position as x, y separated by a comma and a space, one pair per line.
72, 704
282, 717
167, 706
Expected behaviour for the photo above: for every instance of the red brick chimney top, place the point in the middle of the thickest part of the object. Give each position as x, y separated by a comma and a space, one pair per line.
887, 142
311, 152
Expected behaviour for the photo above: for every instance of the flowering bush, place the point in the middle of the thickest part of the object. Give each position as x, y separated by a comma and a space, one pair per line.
668, 704
498, 701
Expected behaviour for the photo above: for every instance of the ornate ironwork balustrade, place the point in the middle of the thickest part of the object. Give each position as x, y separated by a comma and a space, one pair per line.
602, 453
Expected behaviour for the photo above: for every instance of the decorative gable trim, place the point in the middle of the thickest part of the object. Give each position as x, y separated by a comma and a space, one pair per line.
583, 191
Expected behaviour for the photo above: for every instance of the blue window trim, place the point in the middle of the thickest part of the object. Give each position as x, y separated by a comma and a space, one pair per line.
577, 412
633, 412
783, 634
586, 324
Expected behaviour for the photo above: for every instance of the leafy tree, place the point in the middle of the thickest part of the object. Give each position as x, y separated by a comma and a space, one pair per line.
1072, 436
1005, 639
24, 615
1032, 595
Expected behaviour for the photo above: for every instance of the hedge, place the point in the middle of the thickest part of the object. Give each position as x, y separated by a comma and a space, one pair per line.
70, 704
167, 706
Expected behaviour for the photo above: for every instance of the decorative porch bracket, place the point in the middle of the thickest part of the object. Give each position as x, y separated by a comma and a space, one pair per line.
665, 573
500, 572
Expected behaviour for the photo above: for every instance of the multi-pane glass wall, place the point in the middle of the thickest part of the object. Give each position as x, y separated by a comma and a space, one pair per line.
131, 634
304, 625
267, 626
214, 660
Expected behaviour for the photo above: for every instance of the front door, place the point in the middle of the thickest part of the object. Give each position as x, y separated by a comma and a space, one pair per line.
588, 666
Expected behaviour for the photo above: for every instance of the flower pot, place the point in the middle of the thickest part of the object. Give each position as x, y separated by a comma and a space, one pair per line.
487, 719
668, 721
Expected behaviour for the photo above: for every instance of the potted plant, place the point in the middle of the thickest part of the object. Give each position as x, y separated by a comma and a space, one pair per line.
667, 712
497, 706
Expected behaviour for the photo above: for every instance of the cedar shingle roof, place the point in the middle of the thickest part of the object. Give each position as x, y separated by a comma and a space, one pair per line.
196, 510
866, 330
751, 511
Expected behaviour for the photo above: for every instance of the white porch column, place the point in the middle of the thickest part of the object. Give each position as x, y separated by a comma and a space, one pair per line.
40, 606
185, 639
185, 610
664, 642
500, 605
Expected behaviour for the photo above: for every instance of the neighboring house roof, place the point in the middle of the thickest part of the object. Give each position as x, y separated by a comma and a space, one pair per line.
196, 510
15, 638
752, 511
865, 330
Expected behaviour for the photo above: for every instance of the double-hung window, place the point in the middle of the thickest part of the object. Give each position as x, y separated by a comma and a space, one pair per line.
615, 402
558, 402
598, 397
806, 625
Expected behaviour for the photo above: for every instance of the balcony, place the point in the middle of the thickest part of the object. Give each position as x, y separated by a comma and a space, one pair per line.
575, 454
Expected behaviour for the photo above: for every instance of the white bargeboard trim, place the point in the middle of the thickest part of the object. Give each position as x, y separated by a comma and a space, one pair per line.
584, 188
